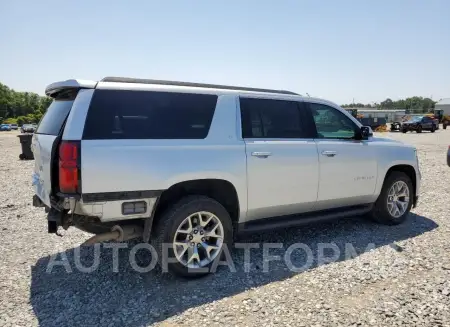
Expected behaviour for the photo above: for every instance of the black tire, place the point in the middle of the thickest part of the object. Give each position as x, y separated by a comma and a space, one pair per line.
168, 223
380, 212
433, 128
21, 156
419, 129
404, 130
444, 126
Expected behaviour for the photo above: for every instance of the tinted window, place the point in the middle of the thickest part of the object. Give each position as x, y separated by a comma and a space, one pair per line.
331, 123
120, 114
55, 117
265, 118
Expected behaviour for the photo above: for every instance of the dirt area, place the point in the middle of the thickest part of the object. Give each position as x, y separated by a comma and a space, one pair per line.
398, 275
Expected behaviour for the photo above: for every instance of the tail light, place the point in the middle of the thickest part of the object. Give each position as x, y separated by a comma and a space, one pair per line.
69, 166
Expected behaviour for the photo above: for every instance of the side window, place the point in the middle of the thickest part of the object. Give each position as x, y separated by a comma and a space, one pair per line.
331, 123
123, 114
266, 118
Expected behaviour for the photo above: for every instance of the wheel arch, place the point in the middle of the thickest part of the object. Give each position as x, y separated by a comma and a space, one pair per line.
407, 169
221, 190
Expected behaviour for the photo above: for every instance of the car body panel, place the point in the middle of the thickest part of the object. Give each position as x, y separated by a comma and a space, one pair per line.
42, 146
294, 178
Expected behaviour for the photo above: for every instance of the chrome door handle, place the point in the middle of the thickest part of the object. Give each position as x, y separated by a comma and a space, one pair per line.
329, 153
261, 154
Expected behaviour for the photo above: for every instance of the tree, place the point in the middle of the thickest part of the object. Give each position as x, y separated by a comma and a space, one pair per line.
387, 104
416, 102
25, 107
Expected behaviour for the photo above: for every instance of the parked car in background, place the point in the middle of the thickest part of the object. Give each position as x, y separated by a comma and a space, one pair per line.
5, 127
28, 128
14, 127
419, 124
203, 161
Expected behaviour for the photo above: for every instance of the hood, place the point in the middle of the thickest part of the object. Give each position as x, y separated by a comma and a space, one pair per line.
390, 142
385, 139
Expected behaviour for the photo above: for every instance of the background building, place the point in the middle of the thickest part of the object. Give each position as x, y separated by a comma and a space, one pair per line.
444, 105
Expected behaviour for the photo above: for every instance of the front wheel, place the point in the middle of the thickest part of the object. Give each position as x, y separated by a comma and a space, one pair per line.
194, 231
433, 128
395, 200
419, 129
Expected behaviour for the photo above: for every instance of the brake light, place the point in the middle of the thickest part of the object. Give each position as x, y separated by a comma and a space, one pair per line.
68, 166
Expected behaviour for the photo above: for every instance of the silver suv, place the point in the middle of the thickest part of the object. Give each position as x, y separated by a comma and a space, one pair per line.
189, 165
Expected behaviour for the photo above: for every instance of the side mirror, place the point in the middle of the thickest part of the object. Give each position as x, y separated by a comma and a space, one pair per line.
365, 132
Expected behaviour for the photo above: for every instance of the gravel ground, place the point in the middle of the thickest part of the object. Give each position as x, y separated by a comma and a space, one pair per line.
403, 278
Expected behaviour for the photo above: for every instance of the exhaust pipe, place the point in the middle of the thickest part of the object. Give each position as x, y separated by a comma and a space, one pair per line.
117, 233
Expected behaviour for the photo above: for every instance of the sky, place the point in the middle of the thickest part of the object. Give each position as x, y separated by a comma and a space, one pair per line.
343, 51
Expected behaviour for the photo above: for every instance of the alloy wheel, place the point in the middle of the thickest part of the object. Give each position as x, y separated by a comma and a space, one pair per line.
398, 199
198, 239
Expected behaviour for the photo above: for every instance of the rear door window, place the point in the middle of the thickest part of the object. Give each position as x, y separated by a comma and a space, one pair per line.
267, 118
124, 114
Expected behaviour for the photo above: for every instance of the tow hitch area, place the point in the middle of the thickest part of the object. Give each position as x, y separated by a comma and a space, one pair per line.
54, 219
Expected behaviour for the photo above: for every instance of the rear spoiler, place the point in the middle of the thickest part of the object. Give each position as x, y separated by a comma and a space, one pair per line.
56, 87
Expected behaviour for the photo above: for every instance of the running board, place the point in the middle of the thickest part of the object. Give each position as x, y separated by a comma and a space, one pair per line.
302, 219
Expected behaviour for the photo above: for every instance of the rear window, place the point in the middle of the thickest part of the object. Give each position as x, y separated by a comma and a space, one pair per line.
122, 114
57, 112
54, 118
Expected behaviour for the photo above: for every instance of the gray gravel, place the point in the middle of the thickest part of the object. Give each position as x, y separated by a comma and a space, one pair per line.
403, 280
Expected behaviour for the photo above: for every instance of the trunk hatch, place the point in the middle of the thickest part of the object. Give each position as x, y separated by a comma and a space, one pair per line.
45, 143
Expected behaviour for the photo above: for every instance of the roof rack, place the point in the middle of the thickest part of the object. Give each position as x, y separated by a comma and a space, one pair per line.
174, 83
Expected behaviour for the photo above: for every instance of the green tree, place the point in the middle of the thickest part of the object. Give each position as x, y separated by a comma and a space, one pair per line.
27, 106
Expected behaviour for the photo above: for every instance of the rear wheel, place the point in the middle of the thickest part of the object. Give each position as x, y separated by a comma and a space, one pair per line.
433, 128
419, 129
195, 231
395, 200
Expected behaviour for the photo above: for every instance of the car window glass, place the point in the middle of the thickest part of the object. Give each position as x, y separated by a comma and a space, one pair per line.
55, 117
267, 118
331, 123
124, 114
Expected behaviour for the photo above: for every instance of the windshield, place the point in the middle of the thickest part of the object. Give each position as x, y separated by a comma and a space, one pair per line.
417, 118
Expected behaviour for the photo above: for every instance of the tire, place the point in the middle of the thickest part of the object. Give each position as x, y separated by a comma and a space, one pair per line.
170, 221
419, 129
21, 156
444, 126
380, 212
404, 130
433, 129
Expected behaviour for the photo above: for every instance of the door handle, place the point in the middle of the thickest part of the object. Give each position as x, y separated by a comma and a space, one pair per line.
261, 154
329, 153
